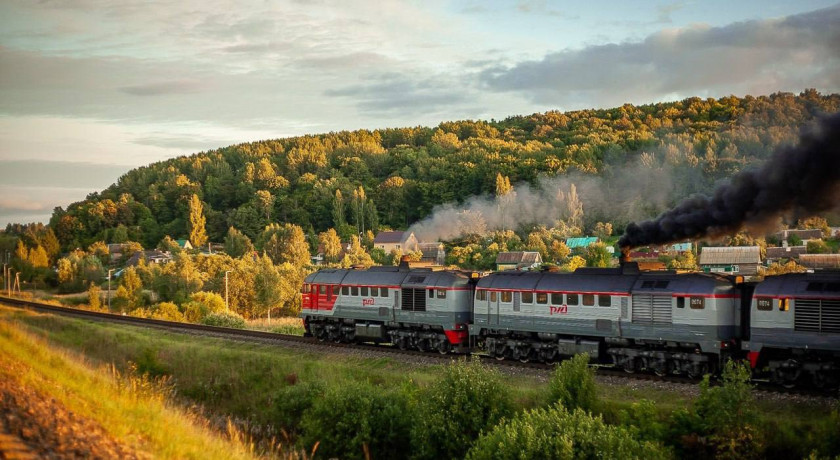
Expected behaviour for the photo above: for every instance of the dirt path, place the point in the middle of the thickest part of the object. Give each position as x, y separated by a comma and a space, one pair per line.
12, 448
33, 425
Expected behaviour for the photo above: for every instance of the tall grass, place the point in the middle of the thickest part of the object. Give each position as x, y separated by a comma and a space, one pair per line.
133, 409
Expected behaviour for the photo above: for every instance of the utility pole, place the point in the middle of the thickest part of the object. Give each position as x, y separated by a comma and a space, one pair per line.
5, 277
10, 282
109, 288
226, 291
17, 283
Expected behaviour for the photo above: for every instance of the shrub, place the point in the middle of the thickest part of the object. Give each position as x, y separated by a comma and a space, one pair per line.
167, 311
202, 304
721, 422
224, 319
94, 297
357, 420
558, 433
573, 384
290, 402
453, 411
643, 421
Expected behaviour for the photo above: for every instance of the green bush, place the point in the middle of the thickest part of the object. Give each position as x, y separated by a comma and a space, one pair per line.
722, 421
644, 421
224, 319
291, 402
573, 384
556, 433
358, 420
453, 411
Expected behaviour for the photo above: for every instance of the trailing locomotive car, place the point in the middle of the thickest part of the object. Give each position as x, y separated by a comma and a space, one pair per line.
794, 328
659, 321
411, 308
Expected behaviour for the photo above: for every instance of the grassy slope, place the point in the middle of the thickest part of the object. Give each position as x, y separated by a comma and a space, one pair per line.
132, 410
241, 379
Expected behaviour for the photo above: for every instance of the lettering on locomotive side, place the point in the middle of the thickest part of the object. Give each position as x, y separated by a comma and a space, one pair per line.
368, 301
558, 310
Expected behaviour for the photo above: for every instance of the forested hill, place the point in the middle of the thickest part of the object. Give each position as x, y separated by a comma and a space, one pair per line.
396, 176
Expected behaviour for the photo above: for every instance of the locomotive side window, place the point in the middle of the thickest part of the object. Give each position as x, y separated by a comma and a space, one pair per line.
784, 304
572, 299
345, 290
304, 289
492, 296
604, 301
542, 298
364, 290
441, 293
764, 304
383, 292
354, 290
527, 297
507, 296
323, 289
335, 291
556, 299
680, 302
481, 295
589, 300
431, 293
698, 303
374, 291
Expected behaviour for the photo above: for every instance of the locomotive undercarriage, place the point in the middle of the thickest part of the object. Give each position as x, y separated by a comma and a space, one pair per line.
404, 336
791, 368
661, 358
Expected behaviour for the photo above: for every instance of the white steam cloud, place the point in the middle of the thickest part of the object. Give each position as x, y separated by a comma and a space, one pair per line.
620, 195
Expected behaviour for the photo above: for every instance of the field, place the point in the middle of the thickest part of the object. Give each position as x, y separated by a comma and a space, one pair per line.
266, 390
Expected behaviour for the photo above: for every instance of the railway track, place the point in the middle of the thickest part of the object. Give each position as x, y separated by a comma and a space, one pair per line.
261, 336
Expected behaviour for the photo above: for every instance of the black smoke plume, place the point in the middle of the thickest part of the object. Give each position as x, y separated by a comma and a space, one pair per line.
803, 179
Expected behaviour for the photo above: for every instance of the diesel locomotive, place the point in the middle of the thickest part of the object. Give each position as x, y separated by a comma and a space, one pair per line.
664, 322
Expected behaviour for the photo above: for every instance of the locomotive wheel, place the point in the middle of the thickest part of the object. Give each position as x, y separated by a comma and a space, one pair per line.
626, 364
499, 353
401, 343
443, 347
697, 371
824, 380
423, 345
524, 356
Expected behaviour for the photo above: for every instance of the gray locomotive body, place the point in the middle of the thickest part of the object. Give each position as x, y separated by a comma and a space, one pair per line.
418, 308
795, 328
662, 321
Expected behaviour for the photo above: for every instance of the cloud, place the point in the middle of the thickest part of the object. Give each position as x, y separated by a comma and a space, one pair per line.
748, 57
391, 93
164, 87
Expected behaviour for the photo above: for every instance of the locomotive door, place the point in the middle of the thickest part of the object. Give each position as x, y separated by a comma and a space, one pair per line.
493, 308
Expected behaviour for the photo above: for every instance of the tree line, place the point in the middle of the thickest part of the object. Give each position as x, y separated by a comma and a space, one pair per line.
363, 180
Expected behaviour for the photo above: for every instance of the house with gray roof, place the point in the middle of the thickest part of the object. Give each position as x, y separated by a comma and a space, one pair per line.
518, 260
388, 241
743, 260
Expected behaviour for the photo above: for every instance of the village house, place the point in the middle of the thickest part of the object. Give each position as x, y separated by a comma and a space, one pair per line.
786, 252
433, 253
388, 241
743, 260
152, 257
518, 260
820, 261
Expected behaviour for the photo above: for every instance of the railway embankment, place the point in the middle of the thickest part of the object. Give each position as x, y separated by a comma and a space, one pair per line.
273, 391
55, 403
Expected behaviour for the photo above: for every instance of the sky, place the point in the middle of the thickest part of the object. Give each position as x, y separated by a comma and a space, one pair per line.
90, 89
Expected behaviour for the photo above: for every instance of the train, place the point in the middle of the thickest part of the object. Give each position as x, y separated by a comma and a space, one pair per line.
664, 322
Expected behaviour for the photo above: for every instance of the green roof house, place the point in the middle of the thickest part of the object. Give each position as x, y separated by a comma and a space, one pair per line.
581, 242
184, 244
